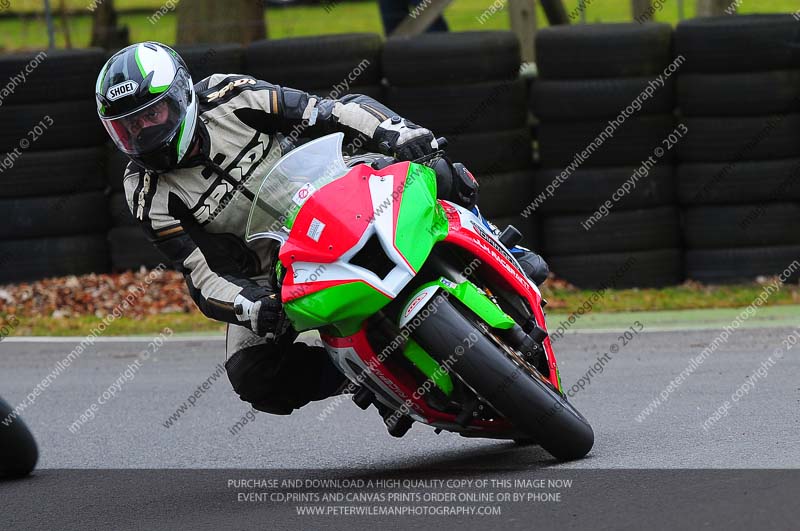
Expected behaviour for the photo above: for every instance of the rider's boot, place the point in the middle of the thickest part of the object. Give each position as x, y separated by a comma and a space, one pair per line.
396, 423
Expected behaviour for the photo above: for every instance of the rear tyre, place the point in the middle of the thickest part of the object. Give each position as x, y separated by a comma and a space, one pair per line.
530, 403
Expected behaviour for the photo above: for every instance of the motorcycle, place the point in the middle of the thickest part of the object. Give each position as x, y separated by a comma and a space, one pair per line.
417, 301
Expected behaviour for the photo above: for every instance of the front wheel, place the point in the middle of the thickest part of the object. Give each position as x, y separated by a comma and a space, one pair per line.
516, 391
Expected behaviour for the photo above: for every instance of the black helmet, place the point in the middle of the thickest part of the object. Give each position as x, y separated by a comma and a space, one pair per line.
146, 101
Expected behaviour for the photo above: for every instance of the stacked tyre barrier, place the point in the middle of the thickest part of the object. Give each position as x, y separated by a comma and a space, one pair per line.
51, 166
129, 247
204, 60
327, 65
738, 178
720, 204
466, 87
605, 107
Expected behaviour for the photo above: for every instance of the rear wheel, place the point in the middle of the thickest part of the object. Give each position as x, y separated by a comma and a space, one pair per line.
503, 379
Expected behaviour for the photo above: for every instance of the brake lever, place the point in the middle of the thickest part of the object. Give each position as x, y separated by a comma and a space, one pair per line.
441, 142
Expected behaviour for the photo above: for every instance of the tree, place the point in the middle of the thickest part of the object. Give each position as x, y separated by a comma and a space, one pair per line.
105, 31
642, 10
211, 21
708, 8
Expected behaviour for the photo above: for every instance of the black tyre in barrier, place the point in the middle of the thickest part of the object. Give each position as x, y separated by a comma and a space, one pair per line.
451, 58
587, 188
120, 212
603, 50
739, 94
460, 109
57, 75
619, 231
38, 258
375, 92
130, 249
731, 138
742, 264
50, 216
204, 60
744, 43
492, 152
116, 165
586, 99
716, 227
65, 171
637, 269
527, 226
631, 143
320, 61
505, 194
738, 182
71, 124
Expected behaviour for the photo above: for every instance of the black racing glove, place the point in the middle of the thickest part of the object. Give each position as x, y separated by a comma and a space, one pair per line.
265, 316
404, 139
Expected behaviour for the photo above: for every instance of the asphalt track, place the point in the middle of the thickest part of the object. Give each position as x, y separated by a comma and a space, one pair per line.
760, 430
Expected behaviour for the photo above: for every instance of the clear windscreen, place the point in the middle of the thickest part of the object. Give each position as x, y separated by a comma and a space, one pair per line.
291, 182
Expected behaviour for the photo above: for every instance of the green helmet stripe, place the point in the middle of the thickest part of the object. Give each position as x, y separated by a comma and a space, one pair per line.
99, 87
153, 90
180, 136
139, 64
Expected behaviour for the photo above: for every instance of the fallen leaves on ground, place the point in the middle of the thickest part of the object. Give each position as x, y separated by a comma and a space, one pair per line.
136, 294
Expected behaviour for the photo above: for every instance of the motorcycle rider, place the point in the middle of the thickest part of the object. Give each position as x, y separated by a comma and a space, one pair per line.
193, 148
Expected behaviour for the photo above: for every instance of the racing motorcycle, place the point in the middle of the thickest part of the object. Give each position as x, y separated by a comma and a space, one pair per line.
418, 301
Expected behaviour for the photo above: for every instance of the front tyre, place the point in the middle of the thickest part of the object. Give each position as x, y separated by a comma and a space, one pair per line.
517, 392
